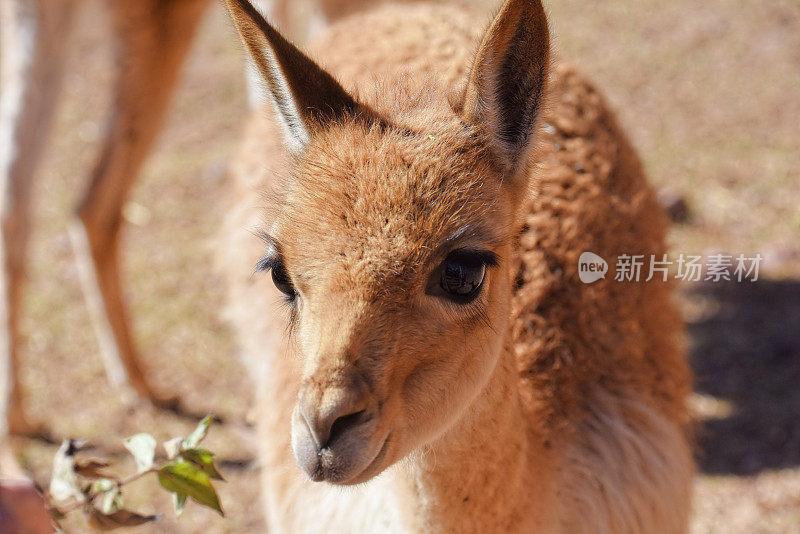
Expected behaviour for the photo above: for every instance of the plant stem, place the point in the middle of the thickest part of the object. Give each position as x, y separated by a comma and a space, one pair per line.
118, 485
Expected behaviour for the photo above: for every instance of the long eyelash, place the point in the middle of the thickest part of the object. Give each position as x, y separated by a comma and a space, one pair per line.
266, 263
289, 304
486, 257
477, 313
489, 258
273, 254
483, 317
266, 238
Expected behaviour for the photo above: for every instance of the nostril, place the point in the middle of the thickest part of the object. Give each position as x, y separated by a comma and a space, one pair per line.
344, 423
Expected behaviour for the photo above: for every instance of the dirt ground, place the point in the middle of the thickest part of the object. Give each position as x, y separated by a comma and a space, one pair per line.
710, 94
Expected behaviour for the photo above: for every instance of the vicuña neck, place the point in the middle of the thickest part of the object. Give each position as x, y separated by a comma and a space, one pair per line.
483, 474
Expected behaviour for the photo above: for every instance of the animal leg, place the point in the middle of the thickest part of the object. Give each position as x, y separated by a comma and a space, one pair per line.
32, 50
153, 37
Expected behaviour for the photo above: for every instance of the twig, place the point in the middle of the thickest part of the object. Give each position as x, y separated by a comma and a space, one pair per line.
118, 484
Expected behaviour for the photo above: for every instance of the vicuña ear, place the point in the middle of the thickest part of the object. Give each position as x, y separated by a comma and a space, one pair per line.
507, 81
305, 96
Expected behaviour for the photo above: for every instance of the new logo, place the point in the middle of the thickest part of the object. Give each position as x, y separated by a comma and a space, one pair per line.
591, 267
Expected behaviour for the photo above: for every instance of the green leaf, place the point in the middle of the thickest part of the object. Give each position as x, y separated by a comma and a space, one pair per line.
179, 502
173, 447
64, 484
197, 435
204, 459
111, 499
182, 477
143, 449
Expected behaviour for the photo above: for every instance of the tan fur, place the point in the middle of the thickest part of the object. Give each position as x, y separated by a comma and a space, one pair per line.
562, 409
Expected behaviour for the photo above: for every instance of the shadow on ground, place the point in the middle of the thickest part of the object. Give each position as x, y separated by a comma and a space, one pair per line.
745, 350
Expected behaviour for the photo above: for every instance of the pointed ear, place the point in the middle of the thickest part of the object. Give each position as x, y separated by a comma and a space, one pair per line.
506, 85
305, 96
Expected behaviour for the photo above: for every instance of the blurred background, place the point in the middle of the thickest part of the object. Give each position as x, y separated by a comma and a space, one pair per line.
709, 93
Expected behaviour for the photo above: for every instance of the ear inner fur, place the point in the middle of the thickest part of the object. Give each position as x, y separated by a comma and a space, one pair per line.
306, 97
507, 82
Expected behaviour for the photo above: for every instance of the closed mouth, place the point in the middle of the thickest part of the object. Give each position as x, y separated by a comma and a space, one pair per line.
369, 471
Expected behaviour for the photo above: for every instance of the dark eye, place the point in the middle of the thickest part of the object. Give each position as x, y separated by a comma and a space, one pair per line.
461, 275
281, 278
274, 263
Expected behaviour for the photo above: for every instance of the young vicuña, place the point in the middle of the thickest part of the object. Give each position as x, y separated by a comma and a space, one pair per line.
424, 224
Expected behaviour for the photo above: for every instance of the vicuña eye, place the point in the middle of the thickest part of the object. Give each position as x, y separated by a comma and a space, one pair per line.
281, 279
461, 275
462, 279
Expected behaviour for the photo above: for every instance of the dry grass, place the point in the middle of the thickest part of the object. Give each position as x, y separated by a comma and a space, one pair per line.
709, 93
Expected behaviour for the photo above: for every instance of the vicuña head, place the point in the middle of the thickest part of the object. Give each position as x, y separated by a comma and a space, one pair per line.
393, 242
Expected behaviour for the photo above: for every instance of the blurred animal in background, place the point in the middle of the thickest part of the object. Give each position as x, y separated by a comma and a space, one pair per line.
152, 38
424, 237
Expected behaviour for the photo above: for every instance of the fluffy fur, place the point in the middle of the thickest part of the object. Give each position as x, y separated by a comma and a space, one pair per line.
554, 406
